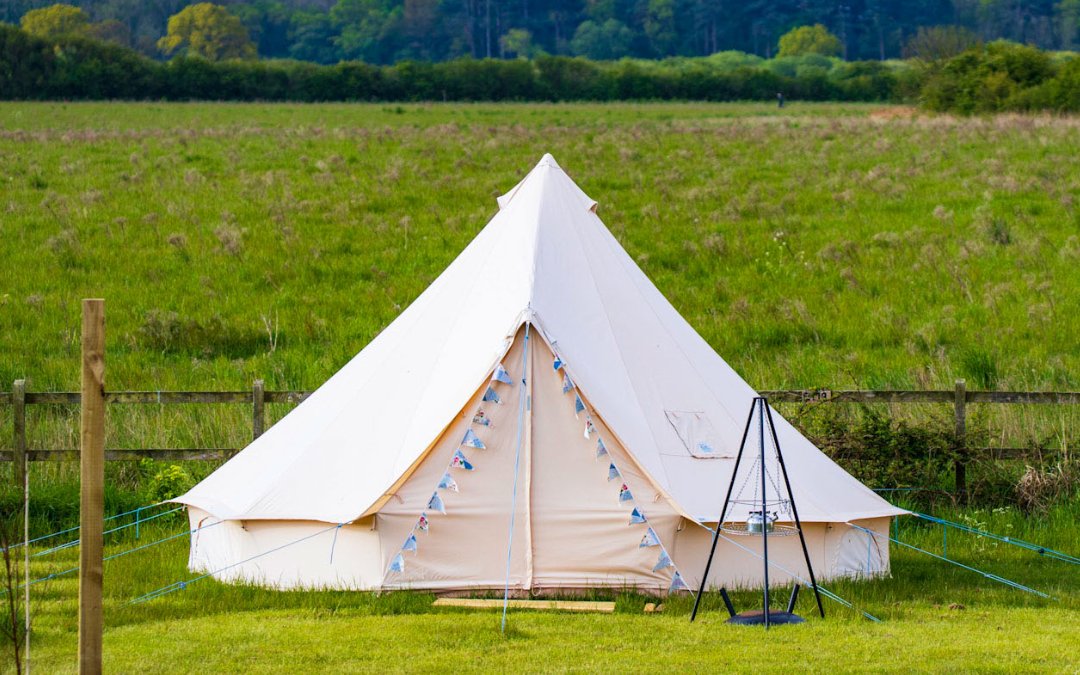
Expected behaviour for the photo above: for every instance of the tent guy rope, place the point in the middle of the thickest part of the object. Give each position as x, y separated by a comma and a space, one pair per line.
988, 575
76, 528
1035, 548
124, 553
182, 585
75, 542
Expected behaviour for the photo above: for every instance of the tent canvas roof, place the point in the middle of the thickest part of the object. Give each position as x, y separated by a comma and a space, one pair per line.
546, 258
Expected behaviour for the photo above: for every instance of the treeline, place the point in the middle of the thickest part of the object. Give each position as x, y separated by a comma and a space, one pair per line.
387, 31
79, 68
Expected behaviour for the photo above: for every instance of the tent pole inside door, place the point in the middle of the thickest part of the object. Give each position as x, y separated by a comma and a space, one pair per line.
517, 465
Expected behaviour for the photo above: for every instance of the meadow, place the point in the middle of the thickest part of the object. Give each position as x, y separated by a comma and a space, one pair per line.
815, 246
821, 245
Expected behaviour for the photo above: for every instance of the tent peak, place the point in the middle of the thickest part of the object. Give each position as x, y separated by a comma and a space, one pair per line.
541, 176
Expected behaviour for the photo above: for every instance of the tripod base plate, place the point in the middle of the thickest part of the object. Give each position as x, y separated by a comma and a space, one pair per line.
757, 618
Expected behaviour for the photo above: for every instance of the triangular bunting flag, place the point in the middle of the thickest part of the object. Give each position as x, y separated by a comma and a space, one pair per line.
436, 504
624, 493
410, 544
677, 583
601, 449
471, 440
459, 461
421, 523
500, 375
637, 517
491, 397
481, 419
398, 563
448, 483
612, 472
650, 539
557, 363
663, 563
567, 383
589, 429
579, 405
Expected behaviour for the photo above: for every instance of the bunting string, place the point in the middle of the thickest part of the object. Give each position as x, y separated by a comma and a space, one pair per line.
458, 461
649, 539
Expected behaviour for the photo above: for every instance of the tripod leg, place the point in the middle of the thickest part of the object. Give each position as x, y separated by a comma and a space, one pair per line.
723, 511
795, 513
794, 597
727, 601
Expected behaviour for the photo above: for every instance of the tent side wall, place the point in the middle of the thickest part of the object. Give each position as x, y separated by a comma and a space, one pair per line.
309, 554
837, 551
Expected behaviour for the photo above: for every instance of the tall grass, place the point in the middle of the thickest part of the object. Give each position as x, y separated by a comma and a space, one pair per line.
816, 246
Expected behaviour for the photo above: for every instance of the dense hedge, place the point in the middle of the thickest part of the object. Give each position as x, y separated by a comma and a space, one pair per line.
996, 77
77, 68
1003, 76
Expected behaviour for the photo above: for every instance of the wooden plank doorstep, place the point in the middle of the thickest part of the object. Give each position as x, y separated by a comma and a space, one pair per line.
558, 605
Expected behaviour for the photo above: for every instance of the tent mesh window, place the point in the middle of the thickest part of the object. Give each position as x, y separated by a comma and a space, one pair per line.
697, 434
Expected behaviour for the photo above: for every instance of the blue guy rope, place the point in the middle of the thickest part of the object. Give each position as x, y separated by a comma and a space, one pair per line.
73, 529
1041, 550
517, 462
122, 553
75, 542
824, 591
333, 544
988, 575
182, 585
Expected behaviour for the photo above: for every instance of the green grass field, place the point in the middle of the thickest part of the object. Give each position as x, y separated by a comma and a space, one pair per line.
838, 246
818, 247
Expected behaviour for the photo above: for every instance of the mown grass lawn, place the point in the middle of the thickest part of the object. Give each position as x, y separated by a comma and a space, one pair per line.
934, 617
986, 640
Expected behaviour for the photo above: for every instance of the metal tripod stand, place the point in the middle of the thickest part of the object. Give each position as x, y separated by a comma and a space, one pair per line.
760, 409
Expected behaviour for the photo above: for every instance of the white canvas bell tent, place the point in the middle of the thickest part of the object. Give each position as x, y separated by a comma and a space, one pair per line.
540, 414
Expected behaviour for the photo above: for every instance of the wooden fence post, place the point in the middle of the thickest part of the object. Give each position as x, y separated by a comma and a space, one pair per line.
92, 488
18, 412
960, 405
258, 416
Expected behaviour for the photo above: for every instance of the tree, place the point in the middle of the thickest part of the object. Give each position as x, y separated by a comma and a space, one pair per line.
1067, 15
518, 42
311, 35
110, 30
660, 26
208, 31
267, 22
55, 21
814, 39
939, 42
369, 28
609, 40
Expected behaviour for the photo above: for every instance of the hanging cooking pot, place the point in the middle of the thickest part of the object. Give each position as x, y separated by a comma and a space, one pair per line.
760, 521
